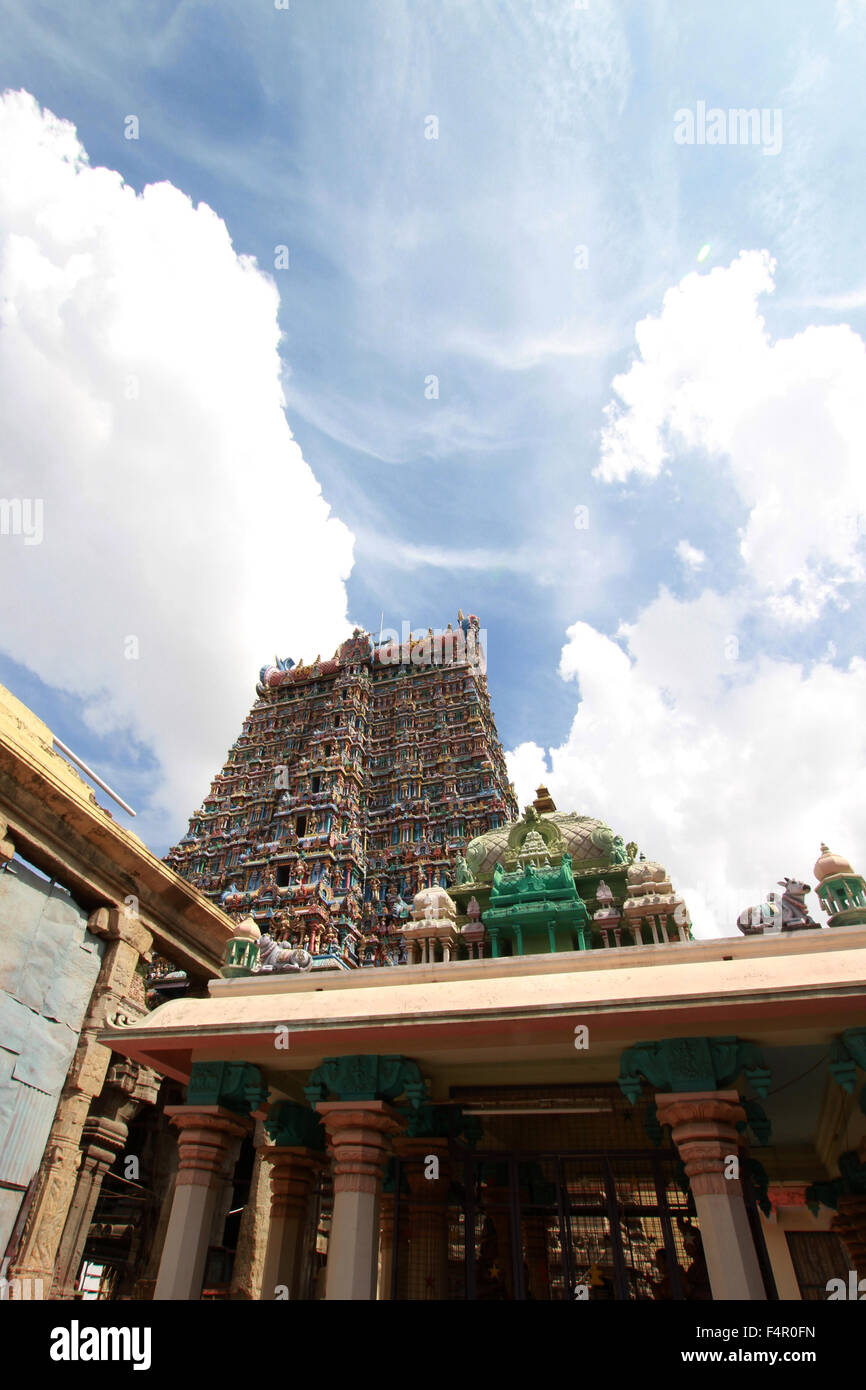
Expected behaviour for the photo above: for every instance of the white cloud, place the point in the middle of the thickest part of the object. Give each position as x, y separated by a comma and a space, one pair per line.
731, 788
524, 351
140, 374
728, 765
528, 770
691, 557
406, 556
787, 418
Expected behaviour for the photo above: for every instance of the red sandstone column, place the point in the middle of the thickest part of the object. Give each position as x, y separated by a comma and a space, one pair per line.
850, 1226
428, 1216
294, 1170
359, 1134
206, 1136
703, 1126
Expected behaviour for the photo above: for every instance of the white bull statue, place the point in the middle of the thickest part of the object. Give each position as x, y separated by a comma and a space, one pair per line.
780, 912
274, 956
763, 917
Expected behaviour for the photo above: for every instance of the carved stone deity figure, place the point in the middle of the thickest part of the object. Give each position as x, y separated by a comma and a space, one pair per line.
619, 853
462, 872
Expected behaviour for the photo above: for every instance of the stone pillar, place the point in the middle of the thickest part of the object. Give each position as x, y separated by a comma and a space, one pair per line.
703, 1126
116, 985
294, 1170
428, 1216
249, 1261
102, 1141
386, 1246
206, 1136
127, 1088
358, 1135
850, 1226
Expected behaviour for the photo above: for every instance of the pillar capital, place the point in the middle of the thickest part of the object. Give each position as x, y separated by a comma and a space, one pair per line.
359, 1134
99, 1132
119, 924
704, 1130
293, 1171
205, 1135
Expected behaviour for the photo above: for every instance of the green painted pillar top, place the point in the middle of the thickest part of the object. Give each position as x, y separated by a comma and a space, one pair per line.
850, 1183
237, 1086
366, 1077
692, 1064
847, 1053
290, 1125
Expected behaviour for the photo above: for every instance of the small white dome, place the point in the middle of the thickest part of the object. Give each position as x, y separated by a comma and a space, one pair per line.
247, 930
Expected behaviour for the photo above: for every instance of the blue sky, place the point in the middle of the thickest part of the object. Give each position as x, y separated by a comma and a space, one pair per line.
456, 256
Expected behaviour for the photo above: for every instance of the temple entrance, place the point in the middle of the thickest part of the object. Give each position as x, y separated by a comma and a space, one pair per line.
565, 1193
537, 1194
544, 1227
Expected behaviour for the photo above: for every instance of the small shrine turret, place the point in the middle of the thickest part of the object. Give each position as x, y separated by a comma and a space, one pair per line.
472, 931
652, 904
241, 953
841, 891
433, 924
608, 915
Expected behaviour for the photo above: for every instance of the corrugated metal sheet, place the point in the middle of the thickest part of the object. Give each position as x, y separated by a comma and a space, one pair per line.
48, 967
10, 1203
24, 1138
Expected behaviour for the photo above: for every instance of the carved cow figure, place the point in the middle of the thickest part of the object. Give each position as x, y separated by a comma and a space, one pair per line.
274, 956
795, 914
763, 917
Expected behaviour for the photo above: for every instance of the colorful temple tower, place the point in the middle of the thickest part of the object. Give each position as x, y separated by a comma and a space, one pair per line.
354, 784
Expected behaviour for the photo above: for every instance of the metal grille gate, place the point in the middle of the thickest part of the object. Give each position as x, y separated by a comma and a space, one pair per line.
530, 1225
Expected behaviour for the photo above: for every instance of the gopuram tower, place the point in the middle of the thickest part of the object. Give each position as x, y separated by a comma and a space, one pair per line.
355, 783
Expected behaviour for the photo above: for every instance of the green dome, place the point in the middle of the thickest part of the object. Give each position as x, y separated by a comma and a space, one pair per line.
590, 842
